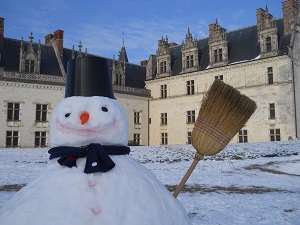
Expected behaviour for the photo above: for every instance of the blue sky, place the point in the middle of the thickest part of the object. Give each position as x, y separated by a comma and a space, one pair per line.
99, 24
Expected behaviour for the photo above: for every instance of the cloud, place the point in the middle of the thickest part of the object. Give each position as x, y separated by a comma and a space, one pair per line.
141, 36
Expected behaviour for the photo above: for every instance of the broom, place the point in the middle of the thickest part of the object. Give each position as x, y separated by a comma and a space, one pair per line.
224, 111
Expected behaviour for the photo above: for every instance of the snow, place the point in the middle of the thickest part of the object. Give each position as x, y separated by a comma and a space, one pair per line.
128, 194
245, 184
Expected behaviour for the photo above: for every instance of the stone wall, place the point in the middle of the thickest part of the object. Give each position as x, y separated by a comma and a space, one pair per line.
250, 78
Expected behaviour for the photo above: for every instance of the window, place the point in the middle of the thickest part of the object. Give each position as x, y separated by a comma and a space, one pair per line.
220, 77
190, 116
41, 112
137, 139
268, 44
270, 75
272, 110
243, 136
220, 55
275, 135
190, 87
12, 138
163, 119
13, 111
118, 79
216, 55
29, 66
40, 139
137, 117
163, 91
164, 138
189, 137
163, 67
189, 61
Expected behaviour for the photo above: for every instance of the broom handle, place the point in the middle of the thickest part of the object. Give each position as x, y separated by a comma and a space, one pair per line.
198, 156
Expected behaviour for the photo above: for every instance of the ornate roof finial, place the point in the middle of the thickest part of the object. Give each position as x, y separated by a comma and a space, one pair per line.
217, 20
31, 37
79, 46
123, 38
267, 10
73, 52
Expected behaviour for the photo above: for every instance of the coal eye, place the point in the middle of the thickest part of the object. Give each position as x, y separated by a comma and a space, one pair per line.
104, 109
67, 115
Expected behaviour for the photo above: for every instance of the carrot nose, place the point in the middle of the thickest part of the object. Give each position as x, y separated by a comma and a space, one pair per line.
84, 118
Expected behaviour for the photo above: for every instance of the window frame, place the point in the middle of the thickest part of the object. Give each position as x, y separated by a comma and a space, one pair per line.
272, 111
270, 75
137, 138
40, 139
13, 111
275, 134
41, 111
190, 87
137, 117
163, 91
190, 116
163, 119
12, 139
29, 66
268, 44
164, 138
243, 136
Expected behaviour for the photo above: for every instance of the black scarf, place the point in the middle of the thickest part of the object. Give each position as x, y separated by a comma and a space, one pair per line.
97, 156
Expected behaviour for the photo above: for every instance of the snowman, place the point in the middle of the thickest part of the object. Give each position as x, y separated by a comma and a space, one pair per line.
90, 178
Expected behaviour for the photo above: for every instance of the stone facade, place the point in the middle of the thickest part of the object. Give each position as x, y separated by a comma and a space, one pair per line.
25, 91
32, 83
261, 61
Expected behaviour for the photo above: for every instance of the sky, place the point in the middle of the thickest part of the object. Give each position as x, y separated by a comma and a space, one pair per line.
102, 25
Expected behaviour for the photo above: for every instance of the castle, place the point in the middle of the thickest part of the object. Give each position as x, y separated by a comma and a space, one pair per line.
162, 95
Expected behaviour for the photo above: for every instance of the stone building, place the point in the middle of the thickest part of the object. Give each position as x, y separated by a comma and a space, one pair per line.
32, 83
162, 96
261, 61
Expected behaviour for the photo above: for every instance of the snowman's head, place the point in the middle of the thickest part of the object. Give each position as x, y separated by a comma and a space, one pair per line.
79, 121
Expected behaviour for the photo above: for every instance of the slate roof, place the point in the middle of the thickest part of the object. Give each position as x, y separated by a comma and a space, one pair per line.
242, 45
10, 56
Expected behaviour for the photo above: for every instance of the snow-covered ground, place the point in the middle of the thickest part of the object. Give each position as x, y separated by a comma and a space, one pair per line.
245, 184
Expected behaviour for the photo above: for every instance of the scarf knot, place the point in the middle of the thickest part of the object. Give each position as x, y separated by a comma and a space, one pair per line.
97, 156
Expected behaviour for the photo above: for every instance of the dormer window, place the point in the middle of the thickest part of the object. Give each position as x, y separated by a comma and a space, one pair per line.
189, 61
268, 44
163, 67
218, 55
29, 66
30, 60
118, 79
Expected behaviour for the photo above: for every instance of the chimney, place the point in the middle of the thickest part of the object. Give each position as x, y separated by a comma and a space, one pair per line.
1, 32
59, 39
48, 39
144, 63
172, 44
216, 31
289, 10
260, 14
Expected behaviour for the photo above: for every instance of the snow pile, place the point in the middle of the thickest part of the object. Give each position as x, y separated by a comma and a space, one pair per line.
255, 183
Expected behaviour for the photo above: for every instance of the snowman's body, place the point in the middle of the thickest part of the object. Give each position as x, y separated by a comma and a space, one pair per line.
128, 194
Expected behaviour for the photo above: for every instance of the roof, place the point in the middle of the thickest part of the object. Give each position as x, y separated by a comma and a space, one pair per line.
10, 57
243, 45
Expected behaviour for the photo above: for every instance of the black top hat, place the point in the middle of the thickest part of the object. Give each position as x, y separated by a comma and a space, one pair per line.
88, 76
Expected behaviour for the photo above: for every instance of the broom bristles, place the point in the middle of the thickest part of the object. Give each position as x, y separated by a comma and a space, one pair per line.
224, 111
